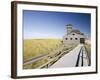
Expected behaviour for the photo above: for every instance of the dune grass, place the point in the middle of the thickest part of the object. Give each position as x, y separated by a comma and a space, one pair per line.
88, 48
36, 47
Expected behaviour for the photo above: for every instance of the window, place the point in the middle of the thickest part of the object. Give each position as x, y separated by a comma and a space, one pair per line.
70, 38
75, 38
66, 38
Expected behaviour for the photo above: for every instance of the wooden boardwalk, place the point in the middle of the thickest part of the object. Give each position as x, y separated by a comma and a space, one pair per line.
76, 57
63, 58
52, 57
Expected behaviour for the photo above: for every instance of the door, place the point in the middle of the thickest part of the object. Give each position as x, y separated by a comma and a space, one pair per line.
82, 40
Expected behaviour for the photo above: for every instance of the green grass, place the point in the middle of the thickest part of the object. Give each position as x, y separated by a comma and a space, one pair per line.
36, 47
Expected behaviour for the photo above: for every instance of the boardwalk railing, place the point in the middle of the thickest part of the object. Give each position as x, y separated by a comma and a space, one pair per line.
83, 58
52, 57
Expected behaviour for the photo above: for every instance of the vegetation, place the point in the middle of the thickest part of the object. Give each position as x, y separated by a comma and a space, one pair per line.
88, 48
36, 47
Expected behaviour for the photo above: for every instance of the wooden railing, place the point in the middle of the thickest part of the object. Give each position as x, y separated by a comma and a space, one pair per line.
83, 56
52, 57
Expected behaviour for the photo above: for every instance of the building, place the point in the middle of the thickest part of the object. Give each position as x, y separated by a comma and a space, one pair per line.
73, 36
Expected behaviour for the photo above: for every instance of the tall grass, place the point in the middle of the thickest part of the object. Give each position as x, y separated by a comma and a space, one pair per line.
36, 47
88, 48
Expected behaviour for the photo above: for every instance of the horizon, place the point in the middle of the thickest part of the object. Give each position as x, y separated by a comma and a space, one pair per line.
41, 38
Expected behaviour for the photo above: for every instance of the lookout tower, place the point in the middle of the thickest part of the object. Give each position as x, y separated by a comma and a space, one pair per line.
69, 28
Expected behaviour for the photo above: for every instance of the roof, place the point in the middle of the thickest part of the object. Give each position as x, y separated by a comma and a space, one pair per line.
77, 32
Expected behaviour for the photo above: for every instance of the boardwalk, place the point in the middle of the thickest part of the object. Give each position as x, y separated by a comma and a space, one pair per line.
71, 58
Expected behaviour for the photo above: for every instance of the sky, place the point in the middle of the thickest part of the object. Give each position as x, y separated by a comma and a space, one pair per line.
47, 24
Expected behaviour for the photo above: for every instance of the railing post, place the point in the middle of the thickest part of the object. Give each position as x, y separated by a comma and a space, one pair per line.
78, 58
82, 57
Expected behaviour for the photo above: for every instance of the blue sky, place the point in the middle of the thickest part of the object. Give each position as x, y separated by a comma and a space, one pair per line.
46, 24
